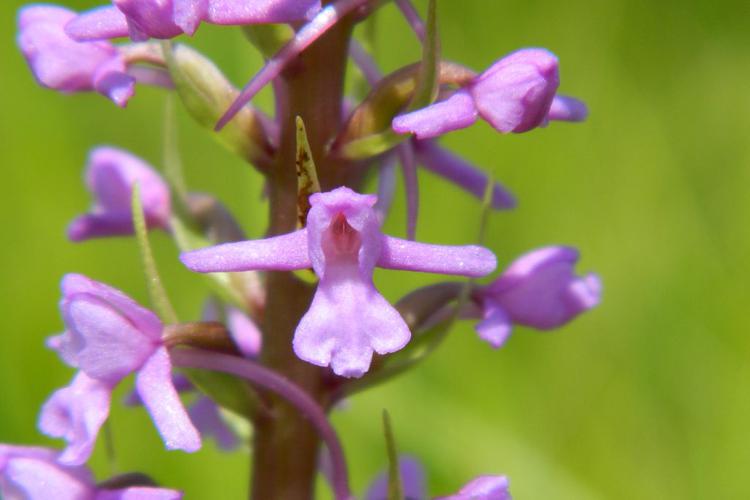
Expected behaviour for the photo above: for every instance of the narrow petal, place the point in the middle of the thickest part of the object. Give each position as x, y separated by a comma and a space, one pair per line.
567, 109
76, 413
454, 113
244, 332
154, 384
470, 260
88, 226
101, 23
286, 252
496, 326
32, 478
206, 417
321, 23
412, 17
348, 320
386, 186
260, 11
461, 173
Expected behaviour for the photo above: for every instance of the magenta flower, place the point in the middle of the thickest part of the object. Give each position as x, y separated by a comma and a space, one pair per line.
60, 63
110, 176
483, 488
143, 19
108, 337
538, 290
32, 473
514, 95
348, 318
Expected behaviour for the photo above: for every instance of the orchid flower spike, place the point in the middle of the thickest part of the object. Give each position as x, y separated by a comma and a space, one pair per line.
111, 174
538, 290
32, 473
108, 337
516, 94
413, 481
348, 318
61, 63
165, 19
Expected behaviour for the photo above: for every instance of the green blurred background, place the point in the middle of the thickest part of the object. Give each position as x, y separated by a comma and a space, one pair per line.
645, 397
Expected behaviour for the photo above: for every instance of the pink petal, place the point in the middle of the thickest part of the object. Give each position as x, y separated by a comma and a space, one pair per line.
32, 479
101, 23
470, 260
496, 326
260, 11
454, 113
348, 320
76, 413
143, 319
286, 252
110, 347
567, 109
244, 332
139, 493
154, 385
188, 14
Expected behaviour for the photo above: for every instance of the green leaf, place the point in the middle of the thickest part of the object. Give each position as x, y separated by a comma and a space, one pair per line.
307, 175
226, 390
395, 488
156, 290
427, 83
371, 145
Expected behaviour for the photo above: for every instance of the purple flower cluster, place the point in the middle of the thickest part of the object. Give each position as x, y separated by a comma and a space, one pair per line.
269, 327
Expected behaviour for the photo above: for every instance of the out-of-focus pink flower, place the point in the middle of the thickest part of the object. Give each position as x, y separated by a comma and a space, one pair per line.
143, 19
111, 174
539, 290
108, 337
61, 63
